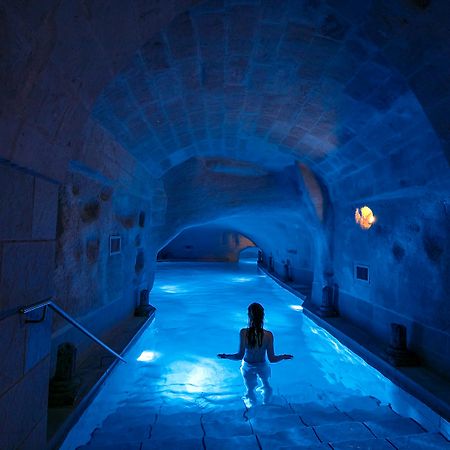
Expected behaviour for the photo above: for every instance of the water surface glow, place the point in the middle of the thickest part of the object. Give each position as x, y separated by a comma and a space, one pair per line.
200, 309
148, 356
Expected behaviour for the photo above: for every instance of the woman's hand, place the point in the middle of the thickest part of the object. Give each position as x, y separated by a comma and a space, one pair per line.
288, 356
222, 355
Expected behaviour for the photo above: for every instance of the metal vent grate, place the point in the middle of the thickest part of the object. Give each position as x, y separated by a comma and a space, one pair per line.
362, 273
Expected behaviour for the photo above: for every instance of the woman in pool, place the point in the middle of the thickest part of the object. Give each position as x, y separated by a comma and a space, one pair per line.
254, 342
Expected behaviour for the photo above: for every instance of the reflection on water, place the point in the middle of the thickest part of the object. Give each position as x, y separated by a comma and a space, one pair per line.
200, 309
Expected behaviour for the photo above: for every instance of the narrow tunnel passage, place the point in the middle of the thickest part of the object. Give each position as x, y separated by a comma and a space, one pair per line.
124, 124
175, 393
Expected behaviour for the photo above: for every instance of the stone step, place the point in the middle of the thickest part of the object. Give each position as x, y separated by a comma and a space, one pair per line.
297, 447
234, 415
160, 431
275, 424
296, 436
366, 403
344, 431
380, 413
231, 443
221, 429
312, 414
109, 445
390, 428
171, 443
368, 444
123, 430
184, 418
421, 441
361, 409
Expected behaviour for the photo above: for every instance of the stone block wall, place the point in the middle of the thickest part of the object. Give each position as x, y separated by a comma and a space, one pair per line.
28, 205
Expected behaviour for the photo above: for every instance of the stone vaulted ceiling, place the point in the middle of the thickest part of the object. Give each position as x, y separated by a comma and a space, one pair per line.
270, 83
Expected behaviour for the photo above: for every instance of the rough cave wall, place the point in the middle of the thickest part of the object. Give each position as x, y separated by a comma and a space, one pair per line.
292, 248
205, 244
407, 249
274, 209
98, 288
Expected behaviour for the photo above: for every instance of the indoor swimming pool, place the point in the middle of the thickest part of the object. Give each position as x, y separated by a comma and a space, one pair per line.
175, 393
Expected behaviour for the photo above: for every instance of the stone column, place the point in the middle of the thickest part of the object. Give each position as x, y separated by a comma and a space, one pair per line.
397, 352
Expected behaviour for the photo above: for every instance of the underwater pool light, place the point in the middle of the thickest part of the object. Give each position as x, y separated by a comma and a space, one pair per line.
241, 280
148, 356
296, 307
170, 288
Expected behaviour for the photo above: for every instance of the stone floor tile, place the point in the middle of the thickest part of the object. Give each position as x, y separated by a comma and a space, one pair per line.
171, 443
232, 443
358, 402
368, 444
180, 418
236, 415
270, 411
314, 416
378, 413
397, 427
343, 431
421, 441
302, 447
293, 437
274, 424
161, 431
134, 445
221, 429
114, 430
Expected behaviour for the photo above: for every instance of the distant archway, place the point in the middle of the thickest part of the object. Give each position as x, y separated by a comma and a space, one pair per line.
249, 254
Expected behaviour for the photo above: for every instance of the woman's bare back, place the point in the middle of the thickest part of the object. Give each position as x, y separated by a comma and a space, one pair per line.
257, 354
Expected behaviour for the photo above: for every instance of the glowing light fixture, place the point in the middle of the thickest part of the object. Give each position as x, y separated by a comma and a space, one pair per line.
148, 356
364, 217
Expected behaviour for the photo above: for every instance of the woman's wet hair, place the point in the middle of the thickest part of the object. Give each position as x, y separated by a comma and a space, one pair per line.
255, 332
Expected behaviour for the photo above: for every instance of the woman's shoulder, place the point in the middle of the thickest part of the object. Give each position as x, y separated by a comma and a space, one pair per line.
268, 333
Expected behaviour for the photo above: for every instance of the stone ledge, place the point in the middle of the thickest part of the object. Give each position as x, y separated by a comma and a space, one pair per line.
428, 388
92, 372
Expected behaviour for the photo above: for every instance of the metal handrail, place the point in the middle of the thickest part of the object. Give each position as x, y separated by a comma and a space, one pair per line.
49, 303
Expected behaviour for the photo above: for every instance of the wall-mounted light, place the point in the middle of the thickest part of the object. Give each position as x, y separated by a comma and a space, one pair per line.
364, 217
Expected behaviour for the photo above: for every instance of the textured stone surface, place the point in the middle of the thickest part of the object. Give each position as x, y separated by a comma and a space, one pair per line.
345, 431
29, 400
44, 210
13, 339
16, 204
26, 273
37, 340
391, 428
357, 92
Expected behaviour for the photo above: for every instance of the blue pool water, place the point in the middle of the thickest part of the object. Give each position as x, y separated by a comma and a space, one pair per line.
200, 309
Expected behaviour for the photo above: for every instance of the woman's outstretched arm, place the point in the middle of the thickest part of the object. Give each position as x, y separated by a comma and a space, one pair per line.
271, 352
240, 354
